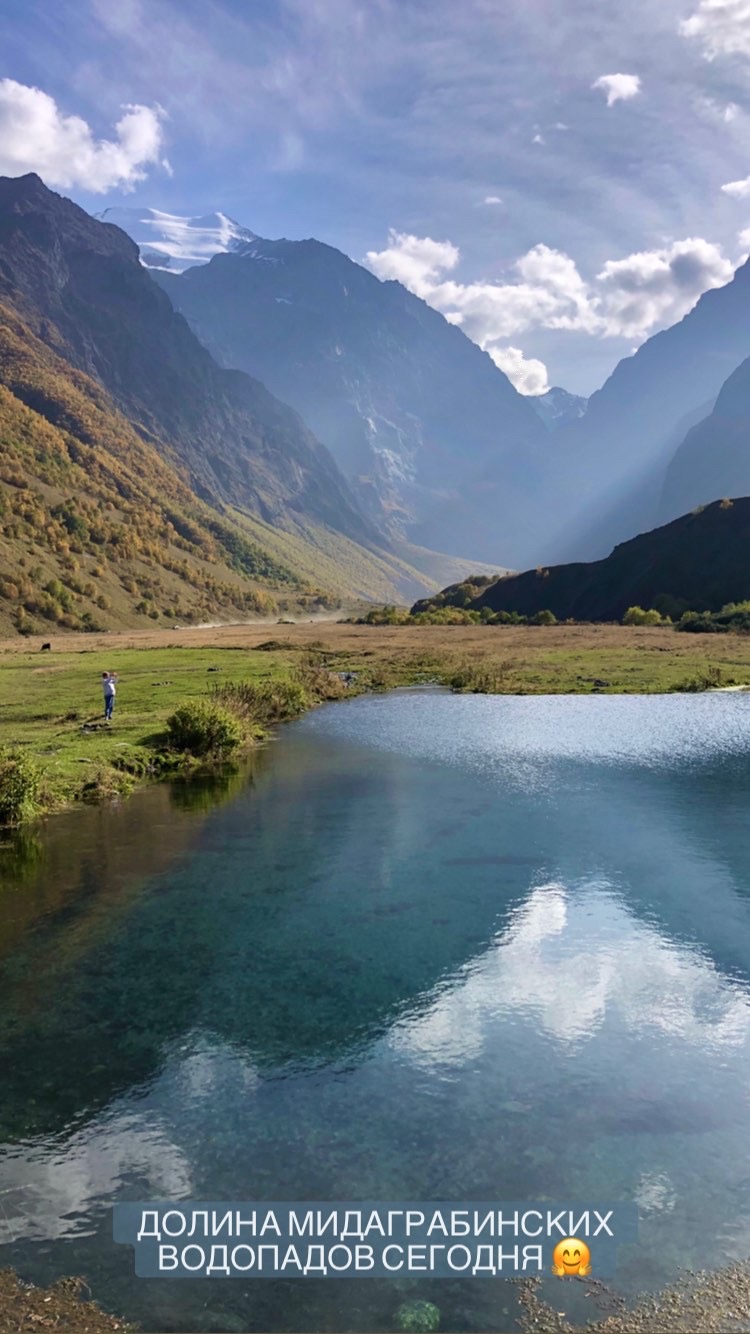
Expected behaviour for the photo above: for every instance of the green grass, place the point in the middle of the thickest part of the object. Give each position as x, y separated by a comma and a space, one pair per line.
48, 701
45, 704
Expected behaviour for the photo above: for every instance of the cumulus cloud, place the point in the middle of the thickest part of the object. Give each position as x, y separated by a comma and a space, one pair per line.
618, 87
415, 261
528, 374
721, 26
629, 297
35, 135
492, 199
737, 189
655, 287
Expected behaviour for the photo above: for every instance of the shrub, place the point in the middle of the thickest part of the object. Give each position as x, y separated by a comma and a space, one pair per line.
637, 616
508, 618
543, 618
709, 679
700, 622
261, 703
387, 615
318, 682
481, 678
20, 781
204, 729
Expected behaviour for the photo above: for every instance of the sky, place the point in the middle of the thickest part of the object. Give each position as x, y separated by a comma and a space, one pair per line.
561, 178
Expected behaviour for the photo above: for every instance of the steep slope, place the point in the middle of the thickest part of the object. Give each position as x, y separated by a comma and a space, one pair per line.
80, 287
714, 458
698, 561
76, 289
98, 530
612, 462
436, 442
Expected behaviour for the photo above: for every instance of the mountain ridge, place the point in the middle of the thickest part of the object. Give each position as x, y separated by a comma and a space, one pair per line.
697, 562
439, 447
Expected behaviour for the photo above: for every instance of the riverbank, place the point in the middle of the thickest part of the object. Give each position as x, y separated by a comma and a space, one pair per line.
65, 1306
704, 1304
50, 702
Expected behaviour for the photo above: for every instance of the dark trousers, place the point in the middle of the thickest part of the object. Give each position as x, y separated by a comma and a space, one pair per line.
109, 704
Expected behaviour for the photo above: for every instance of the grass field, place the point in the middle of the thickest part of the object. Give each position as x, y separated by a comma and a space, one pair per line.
48, 700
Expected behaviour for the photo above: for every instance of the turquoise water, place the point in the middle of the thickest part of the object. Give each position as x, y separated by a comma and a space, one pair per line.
428, 947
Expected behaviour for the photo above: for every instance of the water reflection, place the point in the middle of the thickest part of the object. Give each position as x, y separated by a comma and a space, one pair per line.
393, 966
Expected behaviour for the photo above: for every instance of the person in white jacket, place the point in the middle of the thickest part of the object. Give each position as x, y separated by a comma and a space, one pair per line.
109, 680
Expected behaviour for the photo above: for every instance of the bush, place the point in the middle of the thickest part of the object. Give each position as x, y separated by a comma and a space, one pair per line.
204, 729
700, 623
637, 616
543, 618
387, 615
261, 703
508, 618
481, 678
20, 781
710, 679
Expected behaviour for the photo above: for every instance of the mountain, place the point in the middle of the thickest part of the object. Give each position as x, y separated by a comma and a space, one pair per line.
438, 446
607, 476
80, 287
558, 406
698, 561
97, 528
713, 460
82, 316
168, 241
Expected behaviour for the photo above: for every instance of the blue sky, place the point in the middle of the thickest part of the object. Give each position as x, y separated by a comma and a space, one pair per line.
549, 173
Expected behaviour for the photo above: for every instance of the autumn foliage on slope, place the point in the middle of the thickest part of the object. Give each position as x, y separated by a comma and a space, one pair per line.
96, 527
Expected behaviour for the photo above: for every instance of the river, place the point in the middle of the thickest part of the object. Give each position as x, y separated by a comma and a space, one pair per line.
425, 946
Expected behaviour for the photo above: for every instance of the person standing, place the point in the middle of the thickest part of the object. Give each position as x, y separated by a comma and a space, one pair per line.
109, 680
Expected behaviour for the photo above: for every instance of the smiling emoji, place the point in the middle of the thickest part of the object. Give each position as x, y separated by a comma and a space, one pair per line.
571, 1257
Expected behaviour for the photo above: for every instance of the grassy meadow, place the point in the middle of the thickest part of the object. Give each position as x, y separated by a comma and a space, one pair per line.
51, 703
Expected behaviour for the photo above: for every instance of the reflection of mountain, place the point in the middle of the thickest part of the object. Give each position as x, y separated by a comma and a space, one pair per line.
329, 904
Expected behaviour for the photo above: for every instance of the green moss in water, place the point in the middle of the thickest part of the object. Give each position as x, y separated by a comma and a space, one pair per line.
418, 1317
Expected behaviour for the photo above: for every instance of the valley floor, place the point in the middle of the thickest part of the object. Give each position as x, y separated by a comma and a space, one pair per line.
47, 698
50, 703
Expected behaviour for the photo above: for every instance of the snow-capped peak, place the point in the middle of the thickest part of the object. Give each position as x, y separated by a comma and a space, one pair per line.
167, 241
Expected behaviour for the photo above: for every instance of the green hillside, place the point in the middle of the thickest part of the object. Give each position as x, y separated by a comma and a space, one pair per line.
700, 562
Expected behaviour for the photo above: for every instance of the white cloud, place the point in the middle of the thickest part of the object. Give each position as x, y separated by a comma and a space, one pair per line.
36, 136
737, 189
721, 26
656, 287
492, 199
415, 261
527, 373
744, 238
618, 87
629, 297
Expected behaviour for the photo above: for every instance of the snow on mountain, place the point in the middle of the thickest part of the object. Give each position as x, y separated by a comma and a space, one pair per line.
557, 407
168, 241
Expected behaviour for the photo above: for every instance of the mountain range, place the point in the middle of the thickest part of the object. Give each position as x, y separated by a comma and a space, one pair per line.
633, 461
219, 423
126, 450
437, 445
431, 436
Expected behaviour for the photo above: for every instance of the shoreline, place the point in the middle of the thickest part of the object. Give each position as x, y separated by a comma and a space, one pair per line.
48, 699
721, 1300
